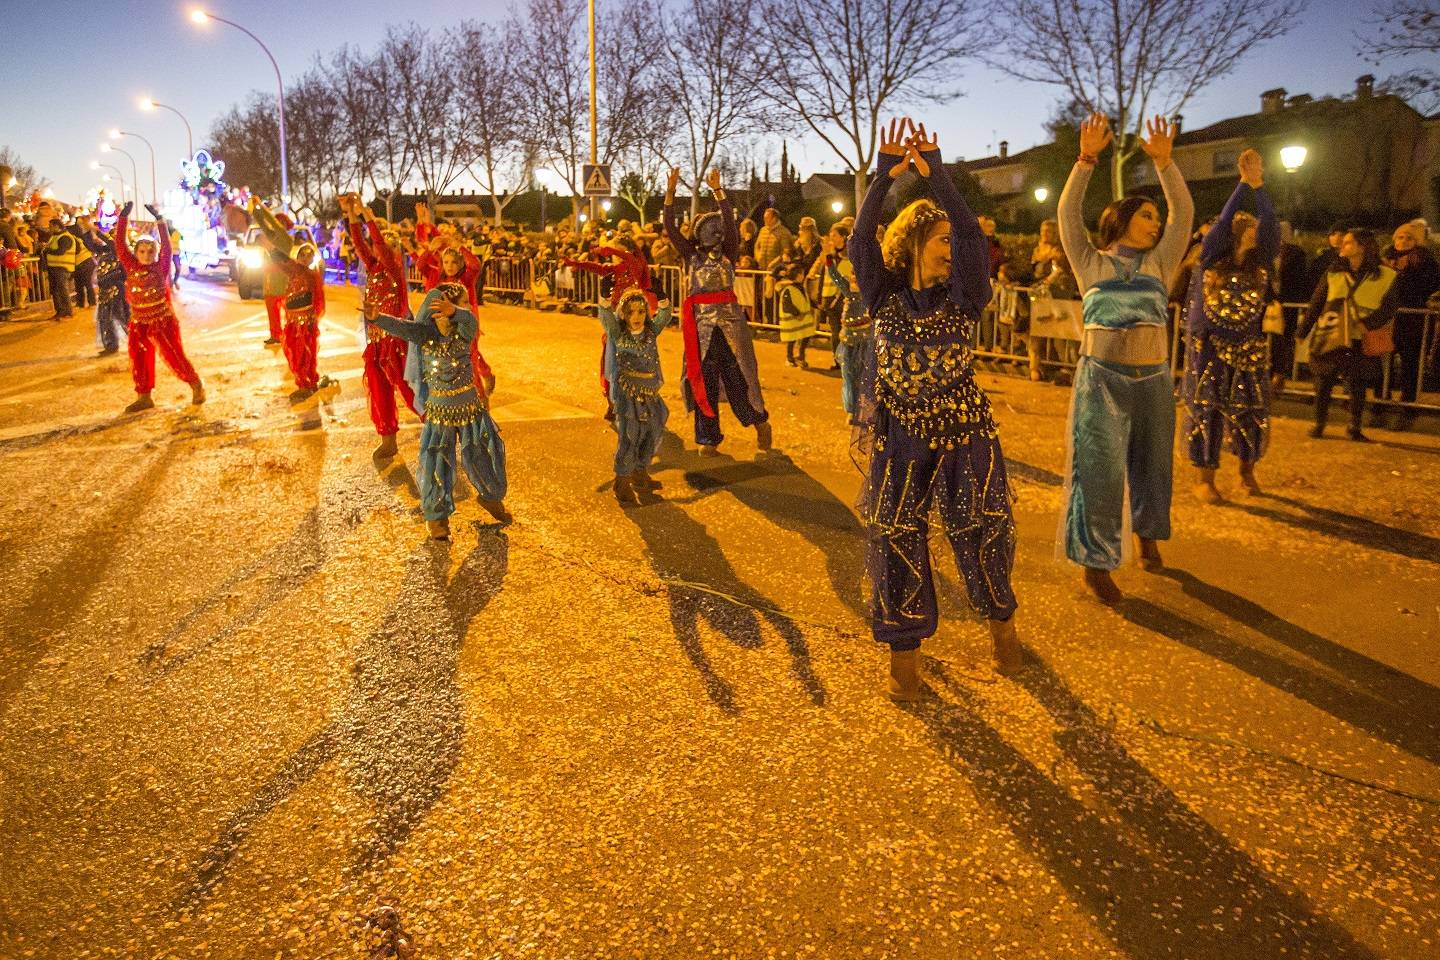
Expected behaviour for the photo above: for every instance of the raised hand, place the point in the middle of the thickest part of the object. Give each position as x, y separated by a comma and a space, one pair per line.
153, 212
1095, 134
672, 182
917, 143
125, 210
892, 141
1252, 169
422, 213
712, 179
1159, 140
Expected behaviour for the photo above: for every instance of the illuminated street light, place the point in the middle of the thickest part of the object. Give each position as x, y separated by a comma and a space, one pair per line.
1042, 194
1292, 158
605, 205
202, 17
151, 104
134, 170
584, 217
836, 206
116, 134
97, 165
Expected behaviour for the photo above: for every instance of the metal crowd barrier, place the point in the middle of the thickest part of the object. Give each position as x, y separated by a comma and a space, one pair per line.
13, 285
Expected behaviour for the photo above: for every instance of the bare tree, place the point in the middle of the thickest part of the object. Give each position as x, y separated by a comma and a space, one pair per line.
422, 70
395, 157
708, 79
247, 138
488, 91
555, 85
1131, 58
315, 127
359, 145
838, 65
27, 181
1402, 28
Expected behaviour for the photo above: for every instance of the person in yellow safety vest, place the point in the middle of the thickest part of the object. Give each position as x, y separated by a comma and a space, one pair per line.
63, 251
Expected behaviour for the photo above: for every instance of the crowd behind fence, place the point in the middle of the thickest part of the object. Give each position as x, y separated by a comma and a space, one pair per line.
1021, 328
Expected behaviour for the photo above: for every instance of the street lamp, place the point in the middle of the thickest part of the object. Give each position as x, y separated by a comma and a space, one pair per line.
1042, 194
836, 206
134, 170
1292, 158
605, 205
151, 104
96, 165
116, 134
202, 17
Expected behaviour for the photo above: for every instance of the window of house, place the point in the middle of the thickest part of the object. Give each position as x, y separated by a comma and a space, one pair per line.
1223, 161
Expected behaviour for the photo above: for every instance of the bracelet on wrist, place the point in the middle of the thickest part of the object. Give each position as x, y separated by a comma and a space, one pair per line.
1089, 159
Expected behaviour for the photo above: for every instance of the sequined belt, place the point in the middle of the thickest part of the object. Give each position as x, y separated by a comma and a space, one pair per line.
639, 385
297, 315
454, 414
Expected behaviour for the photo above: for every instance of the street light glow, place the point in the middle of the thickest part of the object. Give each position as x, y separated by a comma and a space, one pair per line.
94, 164
605, 205
1042, 194
199, 16
114, 133
1292, 158
836, 206
146, 103
106, 148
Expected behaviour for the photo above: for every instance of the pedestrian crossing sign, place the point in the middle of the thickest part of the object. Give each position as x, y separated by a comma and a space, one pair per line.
597, 179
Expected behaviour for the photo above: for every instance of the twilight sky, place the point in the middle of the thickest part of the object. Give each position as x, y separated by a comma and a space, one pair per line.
75, 68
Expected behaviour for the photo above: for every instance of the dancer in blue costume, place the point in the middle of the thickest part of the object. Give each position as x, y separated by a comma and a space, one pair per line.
1122, 432
854, 349
1227, 384
632, 368
457, 410
923, 419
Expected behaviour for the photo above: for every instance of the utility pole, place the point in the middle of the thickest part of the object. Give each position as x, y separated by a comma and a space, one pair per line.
594, 119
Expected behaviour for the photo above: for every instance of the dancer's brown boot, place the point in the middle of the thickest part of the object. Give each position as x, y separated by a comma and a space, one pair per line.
197, 392
904, 684
1205, 489
625, 493
387, 448
764, 436
438, 529
709, 450
642, 485
141, 402
496, 509
643, 480
1005, 645
1103, 586
1150, 554
1247, 478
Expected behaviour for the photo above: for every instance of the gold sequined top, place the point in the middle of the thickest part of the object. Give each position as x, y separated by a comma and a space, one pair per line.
1234, 302
925, 373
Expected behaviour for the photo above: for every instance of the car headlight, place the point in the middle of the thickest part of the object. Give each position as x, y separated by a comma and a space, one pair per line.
251, 258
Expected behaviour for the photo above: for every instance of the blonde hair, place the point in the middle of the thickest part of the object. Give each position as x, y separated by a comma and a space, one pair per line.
907, 231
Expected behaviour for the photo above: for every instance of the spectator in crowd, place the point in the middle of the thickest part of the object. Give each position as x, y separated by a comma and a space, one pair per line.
1291, 283
84, 276
8, 239
748, 233
773, 241
1329, 256
997, 252
832, 298
1356, 294
62, 252
807, 243
1417, 278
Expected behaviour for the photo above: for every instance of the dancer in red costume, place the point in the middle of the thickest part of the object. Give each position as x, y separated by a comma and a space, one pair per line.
446, 260
385, 290
304, 301
272, 284
153, 323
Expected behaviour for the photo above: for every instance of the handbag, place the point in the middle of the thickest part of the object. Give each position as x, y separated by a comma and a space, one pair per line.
1331, 333
1378, 342
1274, 321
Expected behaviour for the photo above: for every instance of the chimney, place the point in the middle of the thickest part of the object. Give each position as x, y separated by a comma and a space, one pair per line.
1004, 149
1365, 87
1178, 120
1272, 101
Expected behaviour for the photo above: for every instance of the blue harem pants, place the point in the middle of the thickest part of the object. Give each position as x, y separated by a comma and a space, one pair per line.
966, 487
481, 454
853, 357
1122, 434
640, 424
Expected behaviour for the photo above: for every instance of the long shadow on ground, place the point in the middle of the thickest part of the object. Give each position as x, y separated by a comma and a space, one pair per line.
1158, 879
1361, 531
401, 728
680, 548
1371, 710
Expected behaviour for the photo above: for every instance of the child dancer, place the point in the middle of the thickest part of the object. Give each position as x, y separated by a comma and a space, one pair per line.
1227, 387
386, 291
924, 421
633, 371
273, 282
457, 408
719, 348
797, 316
1122, 406
855, 352
152, 317
112, 312
304, 301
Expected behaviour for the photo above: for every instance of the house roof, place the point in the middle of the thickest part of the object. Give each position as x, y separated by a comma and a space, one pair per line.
985, 163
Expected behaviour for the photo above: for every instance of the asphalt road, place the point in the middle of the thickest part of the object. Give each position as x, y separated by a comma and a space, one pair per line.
243, 700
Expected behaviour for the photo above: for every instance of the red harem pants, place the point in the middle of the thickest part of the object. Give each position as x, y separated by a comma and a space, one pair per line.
272, 313
301, 344
144, 338
384, 374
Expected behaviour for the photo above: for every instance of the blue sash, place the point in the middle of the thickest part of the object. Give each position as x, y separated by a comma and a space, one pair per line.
1128, 299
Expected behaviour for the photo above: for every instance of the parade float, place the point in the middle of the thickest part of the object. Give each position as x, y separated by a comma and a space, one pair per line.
208, 213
